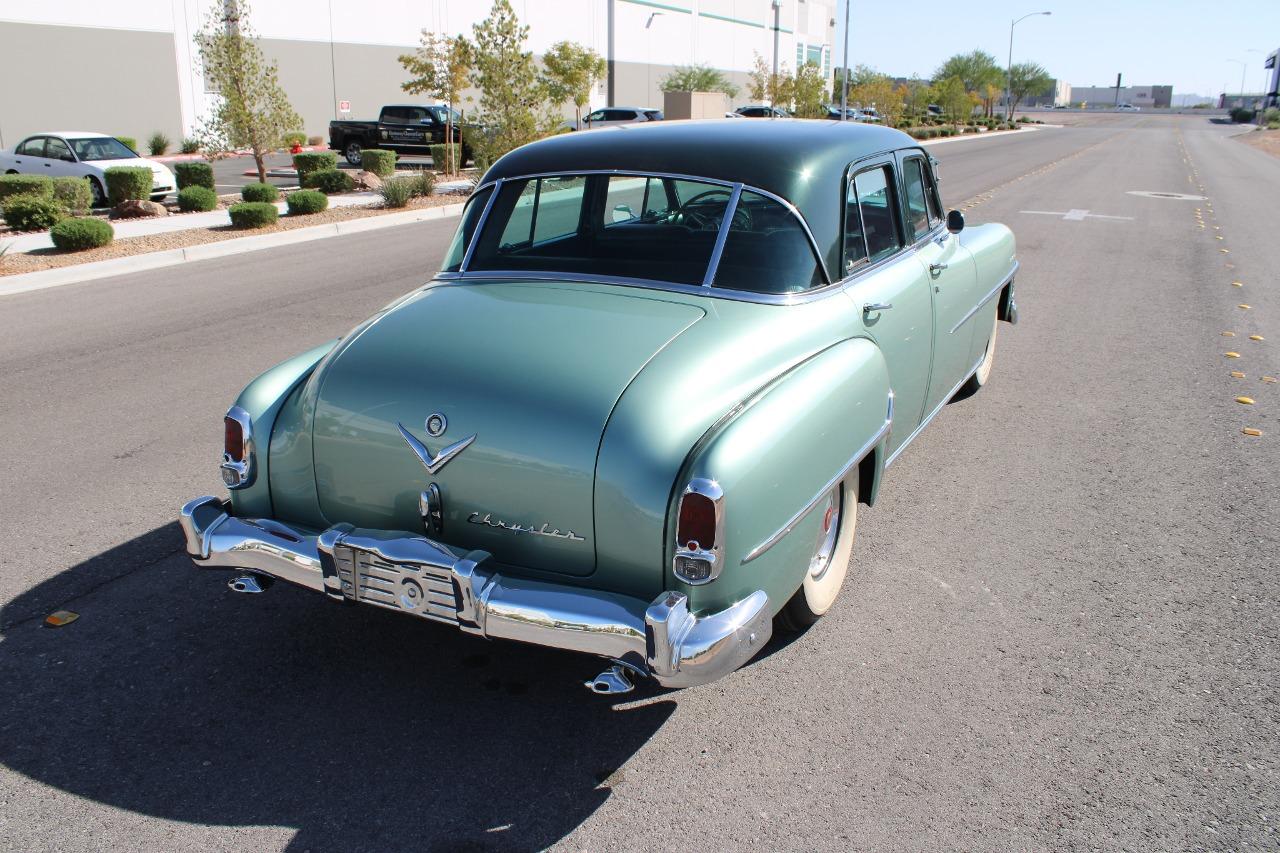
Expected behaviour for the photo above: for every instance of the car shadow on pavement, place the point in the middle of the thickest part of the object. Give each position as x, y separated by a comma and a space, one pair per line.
173, 697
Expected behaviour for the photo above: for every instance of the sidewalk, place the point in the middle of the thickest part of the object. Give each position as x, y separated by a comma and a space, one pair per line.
179, 158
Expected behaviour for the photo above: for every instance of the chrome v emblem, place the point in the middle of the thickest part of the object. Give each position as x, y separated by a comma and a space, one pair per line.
438, 461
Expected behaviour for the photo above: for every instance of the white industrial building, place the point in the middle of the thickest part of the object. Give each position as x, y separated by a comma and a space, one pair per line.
129, 67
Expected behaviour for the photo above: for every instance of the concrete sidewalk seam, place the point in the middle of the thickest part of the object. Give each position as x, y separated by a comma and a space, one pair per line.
44, 279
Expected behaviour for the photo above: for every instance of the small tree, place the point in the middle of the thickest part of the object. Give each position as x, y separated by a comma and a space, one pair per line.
878, 91
253, 110
807, 91
767, 86
697, 78
953, 98
440, 68
513, 102
572, 71
1026, 78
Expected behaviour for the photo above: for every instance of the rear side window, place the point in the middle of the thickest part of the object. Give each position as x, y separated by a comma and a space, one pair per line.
917, 208
767, 250
546, 209
466, 230
32, 147
871, 218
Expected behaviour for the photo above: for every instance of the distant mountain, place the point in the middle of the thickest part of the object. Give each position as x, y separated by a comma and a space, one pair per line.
1192, 100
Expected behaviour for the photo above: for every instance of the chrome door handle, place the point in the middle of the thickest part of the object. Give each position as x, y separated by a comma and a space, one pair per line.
934, 269
870, 307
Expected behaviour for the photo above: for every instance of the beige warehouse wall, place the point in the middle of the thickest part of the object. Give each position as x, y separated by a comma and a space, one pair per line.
121, 82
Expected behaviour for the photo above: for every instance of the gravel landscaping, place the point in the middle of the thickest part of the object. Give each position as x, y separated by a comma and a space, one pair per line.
1266, 140
43, 259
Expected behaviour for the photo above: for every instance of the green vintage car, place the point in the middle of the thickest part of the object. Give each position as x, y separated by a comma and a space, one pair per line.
635, 412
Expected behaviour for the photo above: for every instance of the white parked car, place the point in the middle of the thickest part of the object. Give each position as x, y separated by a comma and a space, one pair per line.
76, 154
1127, 108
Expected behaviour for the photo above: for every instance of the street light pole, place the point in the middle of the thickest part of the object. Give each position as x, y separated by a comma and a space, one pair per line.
1008, 84
1243, 68
844, 87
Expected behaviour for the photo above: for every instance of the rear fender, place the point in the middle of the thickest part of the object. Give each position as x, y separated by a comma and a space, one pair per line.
824, 419
262, 399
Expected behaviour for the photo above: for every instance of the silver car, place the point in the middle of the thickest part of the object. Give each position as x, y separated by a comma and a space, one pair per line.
622, 115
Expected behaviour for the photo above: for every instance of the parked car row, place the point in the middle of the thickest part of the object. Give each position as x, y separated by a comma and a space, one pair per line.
81, 154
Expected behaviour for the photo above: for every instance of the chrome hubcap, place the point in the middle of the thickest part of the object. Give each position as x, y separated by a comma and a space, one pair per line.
828, 530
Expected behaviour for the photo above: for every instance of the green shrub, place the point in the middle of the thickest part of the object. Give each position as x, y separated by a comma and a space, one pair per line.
32, 213
128, 182
190, 146
74, 194
313, 161
194, 174
37, 185
396, 192
259, 192
306, 201
329, 181
439, 152
128, 142
1271, 116
1241, 115
294, 137
253, 214
158, 144
423, 183
197, 198
77, 234
381, 163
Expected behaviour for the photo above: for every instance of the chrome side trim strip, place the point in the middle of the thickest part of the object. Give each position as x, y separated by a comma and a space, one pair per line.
729, 210
924, 423
975, 309
831, 484
484, 217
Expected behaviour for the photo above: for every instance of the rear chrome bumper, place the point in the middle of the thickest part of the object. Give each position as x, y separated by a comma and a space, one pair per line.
413, 574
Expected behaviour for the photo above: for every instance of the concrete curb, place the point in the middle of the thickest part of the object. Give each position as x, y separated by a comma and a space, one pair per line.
969, 137
179, 158
44, 279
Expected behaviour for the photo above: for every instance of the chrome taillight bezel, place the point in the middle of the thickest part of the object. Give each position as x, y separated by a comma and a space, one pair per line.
714, 555
239, 474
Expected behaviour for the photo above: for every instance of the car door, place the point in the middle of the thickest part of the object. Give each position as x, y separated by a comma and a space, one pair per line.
951, 273
29, 157
62, 163
889, 290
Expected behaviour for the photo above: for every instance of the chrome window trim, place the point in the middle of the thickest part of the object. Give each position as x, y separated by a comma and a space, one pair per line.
975, 309
791, 524
484, 216
677, 176
721, 238
881, 160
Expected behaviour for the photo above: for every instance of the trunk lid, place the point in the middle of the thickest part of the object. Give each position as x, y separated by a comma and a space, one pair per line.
531, 370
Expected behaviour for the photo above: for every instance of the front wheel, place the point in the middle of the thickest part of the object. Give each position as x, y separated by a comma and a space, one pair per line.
829, 562
352, 153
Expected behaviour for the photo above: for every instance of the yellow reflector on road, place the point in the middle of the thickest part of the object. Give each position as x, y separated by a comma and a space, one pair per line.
1228, 334
1256, 338
1243, 307
58, 618
1235, 374
1232, 354
1246, 401
1251, 431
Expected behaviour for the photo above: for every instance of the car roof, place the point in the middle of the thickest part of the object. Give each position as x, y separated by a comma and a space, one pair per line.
71, 134
801, 160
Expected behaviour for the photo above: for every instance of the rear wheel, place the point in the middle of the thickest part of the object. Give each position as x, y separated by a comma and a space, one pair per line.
829, 563
99, 194
983, 373
352, 153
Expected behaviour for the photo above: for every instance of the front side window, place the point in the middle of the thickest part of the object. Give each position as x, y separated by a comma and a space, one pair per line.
598, 115
444, 114
871, 219
100, 148
56, 149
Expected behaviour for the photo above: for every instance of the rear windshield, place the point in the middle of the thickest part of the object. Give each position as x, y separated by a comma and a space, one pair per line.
653, 228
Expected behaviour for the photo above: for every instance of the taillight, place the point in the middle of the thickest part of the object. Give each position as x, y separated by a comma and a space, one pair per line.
699, 532
237, 449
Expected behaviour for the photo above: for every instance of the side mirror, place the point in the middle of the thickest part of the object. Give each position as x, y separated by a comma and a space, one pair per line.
955, 221
623, 212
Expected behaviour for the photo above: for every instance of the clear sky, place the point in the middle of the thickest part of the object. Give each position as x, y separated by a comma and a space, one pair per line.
1086, 42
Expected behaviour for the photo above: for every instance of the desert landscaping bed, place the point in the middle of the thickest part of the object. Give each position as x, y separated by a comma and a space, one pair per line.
44, 259
1265, 140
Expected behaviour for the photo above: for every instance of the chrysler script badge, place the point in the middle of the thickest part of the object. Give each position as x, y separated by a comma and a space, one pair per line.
488, 520
434, 463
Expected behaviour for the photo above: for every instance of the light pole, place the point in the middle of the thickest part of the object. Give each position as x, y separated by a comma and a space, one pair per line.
1244, 67
1008, 85
777, 18
844, 87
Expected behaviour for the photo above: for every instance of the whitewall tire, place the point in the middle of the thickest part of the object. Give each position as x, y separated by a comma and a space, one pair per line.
824, 576
983, 373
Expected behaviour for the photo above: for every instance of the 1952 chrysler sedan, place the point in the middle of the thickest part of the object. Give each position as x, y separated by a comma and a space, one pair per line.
635, 412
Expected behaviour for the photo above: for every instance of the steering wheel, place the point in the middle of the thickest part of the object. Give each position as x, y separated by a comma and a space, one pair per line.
687, 215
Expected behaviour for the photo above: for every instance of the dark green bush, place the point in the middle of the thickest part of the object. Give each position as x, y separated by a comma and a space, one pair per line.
381, 163
74, 194
306, 201
158, 144
259, 192
294, 137
329, 181
1242, 115
396, 192
190, 146
129, 142
197, 173
37, 185
77, 234
313, 161
197, 198
32, 213
439, 152
253, 214
423, 183
128, 182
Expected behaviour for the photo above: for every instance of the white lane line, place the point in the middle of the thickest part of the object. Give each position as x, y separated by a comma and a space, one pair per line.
1075, 215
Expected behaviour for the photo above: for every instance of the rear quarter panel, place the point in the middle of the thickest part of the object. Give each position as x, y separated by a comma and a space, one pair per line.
993, 249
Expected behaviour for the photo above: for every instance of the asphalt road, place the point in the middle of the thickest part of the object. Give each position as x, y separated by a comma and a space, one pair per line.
1059, 630
229, 174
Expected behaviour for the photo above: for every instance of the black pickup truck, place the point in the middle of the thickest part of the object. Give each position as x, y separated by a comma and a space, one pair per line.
403, 128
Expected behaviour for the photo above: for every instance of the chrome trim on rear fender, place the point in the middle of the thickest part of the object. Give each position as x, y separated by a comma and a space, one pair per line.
984, 300
413, 574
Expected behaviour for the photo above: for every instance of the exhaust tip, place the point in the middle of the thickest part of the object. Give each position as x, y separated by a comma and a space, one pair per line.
249, 584
613, 681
